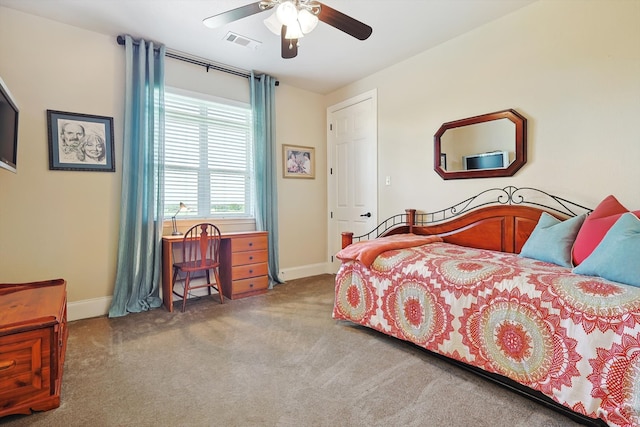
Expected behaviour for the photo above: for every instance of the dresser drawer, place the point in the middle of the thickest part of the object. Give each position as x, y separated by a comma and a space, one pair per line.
250, 270
244, 268
251, 243
249, 257
255, 284
25, 366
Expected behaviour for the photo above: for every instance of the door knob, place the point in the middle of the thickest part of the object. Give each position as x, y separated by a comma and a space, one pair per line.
368, 215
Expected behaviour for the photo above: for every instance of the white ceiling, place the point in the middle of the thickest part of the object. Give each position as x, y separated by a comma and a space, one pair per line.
327, 58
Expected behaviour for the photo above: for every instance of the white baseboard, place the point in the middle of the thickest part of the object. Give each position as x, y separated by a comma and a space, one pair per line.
304, 271
97, 307
88, 308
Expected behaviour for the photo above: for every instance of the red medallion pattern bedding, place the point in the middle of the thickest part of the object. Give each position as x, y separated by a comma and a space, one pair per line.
574, 338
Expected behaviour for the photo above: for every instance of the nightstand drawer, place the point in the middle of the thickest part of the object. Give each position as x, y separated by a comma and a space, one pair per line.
251, 270
255, 284
252, 243
25, 366
249, 257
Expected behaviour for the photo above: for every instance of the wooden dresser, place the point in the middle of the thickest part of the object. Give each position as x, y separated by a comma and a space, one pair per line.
244, 265
33, 341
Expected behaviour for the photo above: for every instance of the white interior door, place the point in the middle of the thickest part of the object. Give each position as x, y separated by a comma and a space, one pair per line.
352, 144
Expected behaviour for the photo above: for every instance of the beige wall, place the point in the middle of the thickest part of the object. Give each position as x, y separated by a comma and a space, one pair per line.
571, 67
302, 202
59, 223
65, 224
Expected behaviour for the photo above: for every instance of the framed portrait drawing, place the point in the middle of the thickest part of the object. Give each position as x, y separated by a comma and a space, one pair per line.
80, 142
298, 161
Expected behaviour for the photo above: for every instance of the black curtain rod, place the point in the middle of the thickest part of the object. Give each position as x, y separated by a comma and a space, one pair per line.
207, 65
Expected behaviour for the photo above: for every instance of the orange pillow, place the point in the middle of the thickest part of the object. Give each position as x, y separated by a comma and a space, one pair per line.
596, 226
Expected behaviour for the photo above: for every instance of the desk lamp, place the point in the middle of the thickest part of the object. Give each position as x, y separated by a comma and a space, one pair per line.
175, 232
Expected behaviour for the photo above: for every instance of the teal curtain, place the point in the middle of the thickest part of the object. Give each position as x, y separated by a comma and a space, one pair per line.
263, 88
139, 266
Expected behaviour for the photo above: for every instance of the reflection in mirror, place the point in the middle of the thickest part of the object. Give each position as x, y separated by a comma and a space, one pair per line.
489, 145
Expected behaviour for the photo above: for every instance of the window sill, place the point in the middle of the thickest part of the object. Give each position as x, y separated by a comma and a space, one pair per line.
226, 225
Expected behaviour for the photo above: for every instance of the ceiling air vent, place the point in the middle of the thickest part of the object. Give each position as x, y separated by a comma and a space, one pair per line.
242, 40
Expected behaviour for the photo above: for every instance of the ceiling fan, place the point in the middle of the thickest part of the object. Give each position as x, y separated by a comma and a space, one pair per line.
293, 19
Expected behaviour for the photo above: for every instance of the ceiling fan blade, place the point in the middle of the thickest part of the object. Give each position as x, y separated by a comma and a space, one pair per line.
289, 47
343, 22
229, 16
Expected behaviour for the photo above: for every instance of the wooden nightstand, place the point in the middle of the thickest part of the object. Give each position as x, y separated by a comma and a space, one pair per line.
33, 341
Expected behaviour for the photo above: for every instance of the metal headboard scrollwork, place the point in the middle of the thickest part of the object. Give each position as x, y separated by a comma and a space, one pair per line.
509, 195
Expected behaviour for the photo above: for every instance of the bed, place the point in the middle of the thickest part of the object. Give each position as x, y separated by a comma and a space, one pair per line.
454, 283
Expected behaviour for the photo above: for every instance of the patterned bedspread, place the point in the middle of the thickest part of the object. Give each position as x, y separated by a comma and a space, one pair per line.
574, 338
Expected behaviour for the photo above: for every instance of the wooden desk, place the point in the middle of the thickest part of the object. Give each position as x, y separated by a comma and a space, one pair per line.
33, 342
243, 264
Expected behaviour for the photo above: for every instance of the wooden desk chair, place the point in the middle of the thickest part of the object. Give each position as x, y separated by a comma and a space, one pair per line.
200, 252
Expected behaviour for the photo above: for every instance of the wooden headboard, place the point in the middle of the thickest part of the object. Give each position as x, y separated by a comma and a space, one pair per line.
503, 227
499, 228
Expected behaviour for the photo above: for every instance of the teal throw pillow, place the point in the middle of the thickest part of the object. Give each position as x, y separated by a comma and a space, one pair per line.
617, 256
552, 239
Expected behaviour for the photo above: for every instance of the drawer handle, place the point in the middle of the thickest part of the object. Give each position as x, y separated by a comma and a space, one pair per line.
250, 271
250, 243
250, 258
8, 364
251, 285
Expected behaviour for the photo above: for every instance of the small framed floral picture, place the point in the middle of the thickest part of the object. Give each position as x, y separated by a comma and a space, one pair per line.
299, 162
80, 142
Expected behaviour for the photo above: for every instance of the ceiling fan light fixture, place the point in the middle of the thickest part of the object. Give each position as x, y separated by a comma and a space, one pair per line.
294, 31
307, 20
273, 24
287, 13
299, 19
268, 4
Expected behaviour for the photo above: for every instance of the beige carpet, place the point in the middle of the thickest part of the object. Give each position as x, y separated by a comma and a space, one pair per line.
272, 360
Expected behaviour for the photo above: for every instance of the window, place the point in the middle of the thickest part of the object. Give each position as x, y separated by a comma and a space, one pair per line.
208, 156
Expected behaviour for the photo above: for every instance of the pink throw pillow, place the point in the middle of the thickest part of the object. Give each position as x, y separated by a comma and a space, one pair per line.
596, 226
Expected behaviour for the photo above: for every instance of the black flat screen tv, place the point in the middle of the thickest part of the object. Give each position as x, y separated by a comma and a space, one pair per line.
8, 129
492, 160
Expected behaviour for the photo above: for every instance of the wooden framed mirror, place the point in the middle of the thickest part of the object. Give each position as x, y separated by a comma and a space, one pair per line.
485, 146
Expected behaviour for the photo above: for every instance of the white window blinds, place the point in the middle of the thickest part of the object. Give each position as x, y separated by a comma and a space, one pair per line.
208, 157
